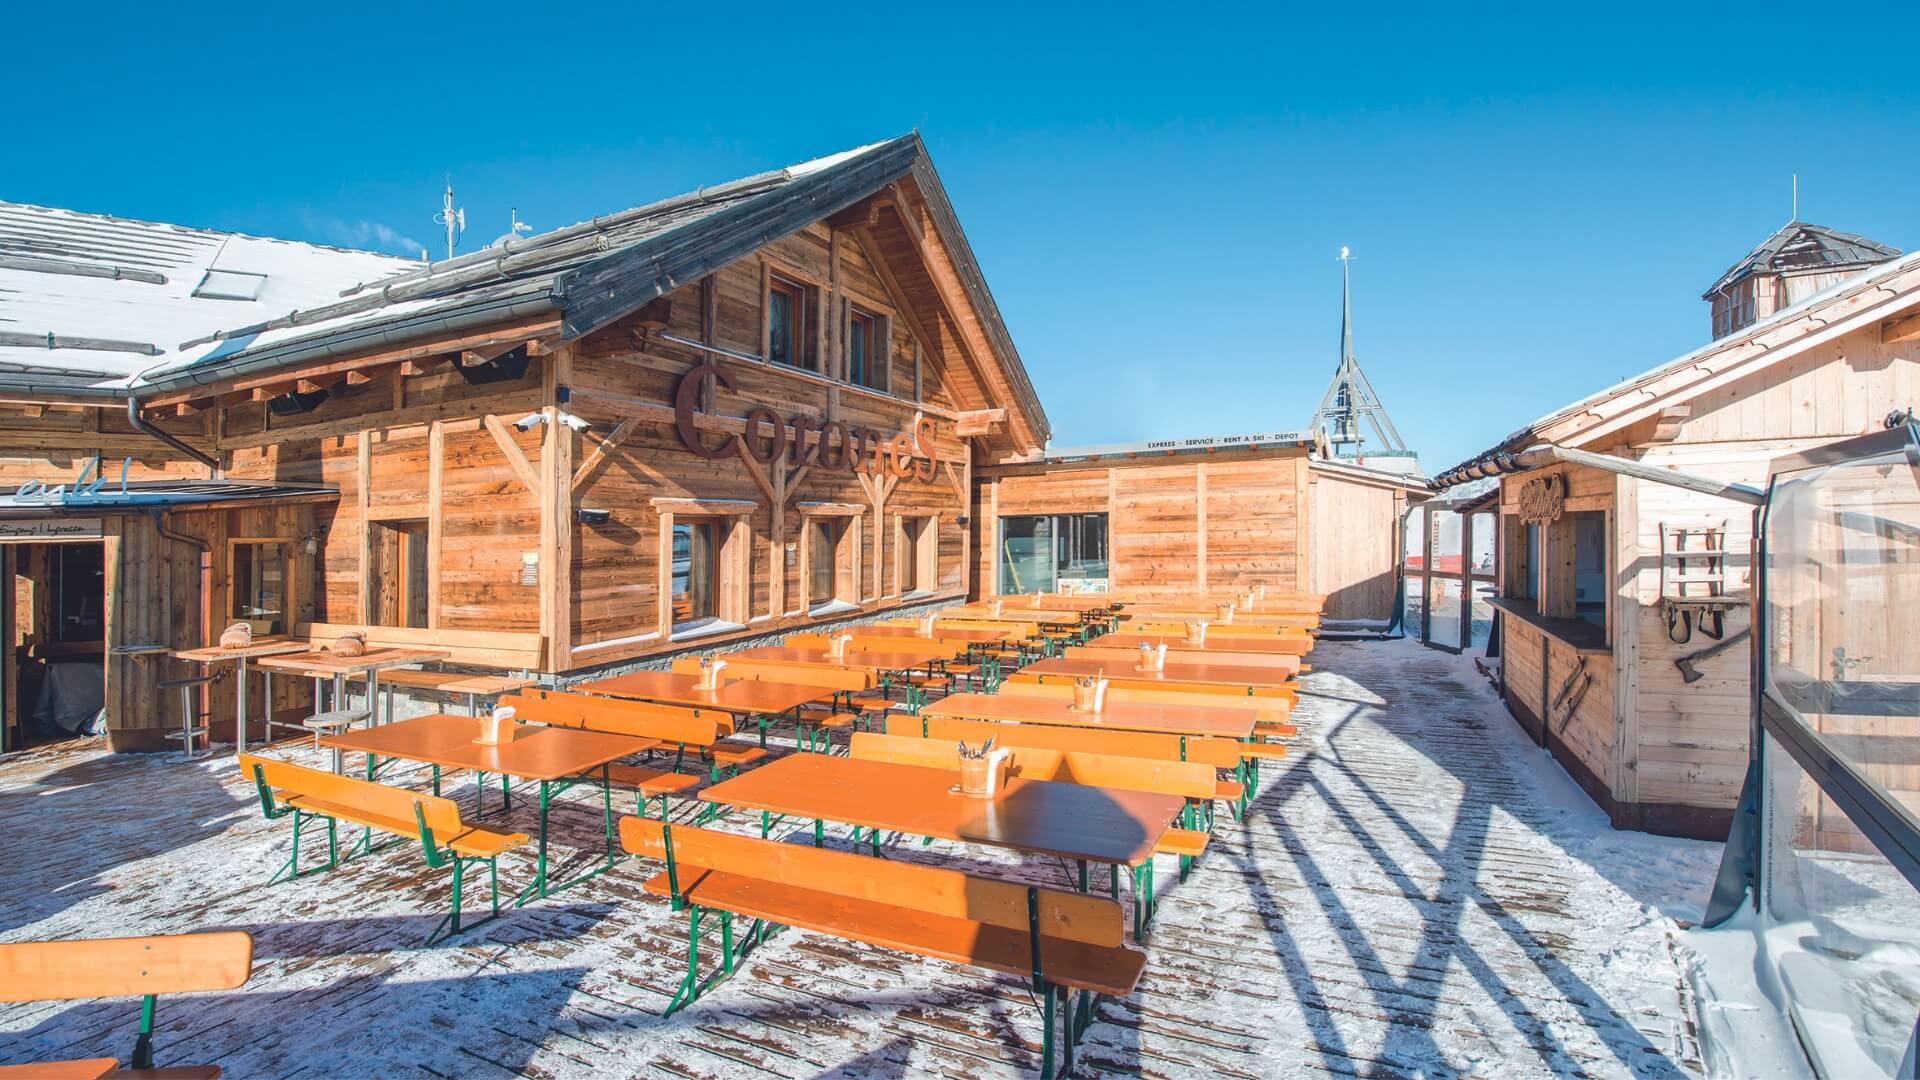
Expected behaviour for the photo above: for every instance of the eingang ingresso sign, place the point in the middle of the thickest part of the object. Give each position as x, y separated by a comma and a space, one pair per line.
837, 445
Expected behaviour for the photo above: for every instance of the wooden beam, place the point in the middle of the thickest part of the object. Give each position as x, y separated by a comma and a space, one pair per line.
436, 518
359, 378
515, 456
477, 357
758, 474
1667, 425
1895, 331
600, 453
979, 421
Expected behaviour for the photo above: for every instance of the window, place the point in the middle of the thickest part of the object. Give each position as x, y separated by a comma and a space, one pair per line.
230, 285
824, 575
77, 573
695, 570
258, 584
789, 323
866, 354
1590, 566
1529, 562
397, 573
915, 553
1046, 551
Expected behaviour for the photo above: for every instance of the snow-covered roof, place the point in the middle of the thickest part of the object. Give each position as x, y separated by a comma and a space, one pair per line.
92, 300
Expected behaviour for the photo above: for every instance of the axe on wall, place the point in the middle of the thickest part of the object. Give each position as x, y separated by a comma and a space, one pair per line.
1692, 674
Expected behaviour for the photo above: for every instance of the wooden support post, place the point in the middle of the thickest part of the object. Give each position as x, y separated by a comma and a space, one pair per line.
436, 516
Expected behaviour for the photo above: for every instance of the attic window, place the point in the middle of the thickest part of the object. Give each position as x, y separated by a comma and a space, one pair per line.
230, 285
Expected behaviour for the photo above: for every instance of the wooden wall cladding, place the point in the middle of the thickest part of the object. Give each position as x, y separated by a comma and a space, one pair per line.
1175, 526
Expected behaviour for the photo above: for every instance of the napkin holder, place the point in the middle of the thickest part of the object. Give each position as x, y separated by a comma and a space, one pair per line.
1197, 632
1153, 658
499, 727
1226, 613
837, 646
982, 770
1089, 694
926, 626
997, 608
709, 677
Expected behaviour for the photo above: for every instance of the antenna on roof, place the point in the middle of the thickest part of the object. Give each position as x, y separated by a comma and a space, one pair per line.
454, 219
514, 230
1796, 199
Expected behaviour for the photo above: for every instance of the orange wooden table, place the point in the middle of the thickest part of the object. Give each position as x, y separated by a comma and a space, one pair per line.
1072, 821
1229, 723
82, 1069
735, 697
1175, 671
556, 757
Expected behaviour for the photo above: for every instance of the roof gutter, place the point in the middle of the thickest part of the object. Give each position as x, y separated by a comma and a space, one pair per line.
1501, 462
140, 424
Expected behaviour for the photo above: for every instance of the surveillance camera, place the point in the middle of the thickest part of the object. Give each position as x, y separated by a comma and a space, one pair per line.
529, 421
571, 420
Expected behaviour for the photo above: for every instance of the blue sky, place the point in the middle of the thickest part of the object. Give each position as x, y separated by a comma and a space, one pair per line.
1536, 198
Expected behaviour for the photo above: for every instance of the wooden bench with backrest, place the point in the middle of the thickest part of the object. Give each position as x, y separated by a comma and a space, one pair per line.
846, 683
1287, 693
1192, 781
1283, 664
1065, 943
143, 967
1272, 710
1215, 753
313, 796
700, 730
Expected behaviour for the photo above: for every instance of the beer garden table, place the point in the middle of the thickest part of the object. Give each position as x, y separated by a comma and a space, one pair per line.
558, 758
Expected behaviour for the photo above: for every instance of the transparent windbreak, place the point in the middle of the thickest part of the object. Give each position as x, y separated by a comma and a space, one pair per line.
1842, 924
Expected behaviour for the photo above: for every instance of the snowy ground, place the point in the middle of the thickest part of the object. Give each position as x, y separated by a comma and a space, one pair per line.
1417, 892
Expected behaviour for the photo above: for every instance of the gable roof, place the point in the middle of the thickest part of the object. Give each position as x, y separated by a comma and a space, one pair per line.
89, 300
1866, 298
588, 274
1799, 247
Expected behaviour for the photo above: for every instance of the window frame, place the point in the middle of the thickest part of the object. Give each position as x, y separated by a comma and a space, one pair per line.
848, 520
919, 551
288, 598
807, 291
732, 564
876, 370
413, 538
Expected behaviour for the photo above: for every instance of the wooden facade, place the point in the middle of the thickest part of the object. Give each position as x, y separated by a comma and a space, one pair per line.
1594, 677
477, 515
1184, 522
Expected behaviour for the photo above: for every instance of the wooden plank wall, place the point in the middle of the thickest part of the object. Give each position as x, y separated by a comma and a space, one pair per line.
1175, 526
1355, 538
622, 374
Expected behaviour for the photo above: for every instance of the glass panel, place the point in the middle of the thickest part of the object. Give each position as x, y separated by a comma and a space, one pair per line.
1590, 566
911, 530
1082, 550
1026, 554
1413, 595
1843, 581
1443, 611
1482, 613
1840, 924
415, 538
861, 366
824, 558
781, 303
260, 586
1530, 563
79, 588
693, 570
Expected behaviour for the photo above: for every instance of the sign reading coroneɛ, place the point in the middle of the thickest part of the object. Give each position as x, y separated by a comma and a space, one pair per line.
837, 445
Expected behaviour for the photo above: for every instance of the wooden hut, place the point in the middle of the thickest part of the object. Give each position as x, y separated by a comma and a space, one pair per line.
750, 408
1178, 517
1624, 598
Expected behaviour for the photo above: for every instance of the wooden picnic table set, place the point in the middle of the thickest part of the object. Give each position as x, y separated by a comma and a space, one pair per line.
1086, 758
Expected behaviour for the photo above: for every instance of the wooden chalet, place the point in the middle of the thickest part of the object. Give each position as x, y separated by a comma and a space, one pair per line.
750, 408
1623, 599
1177, 518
